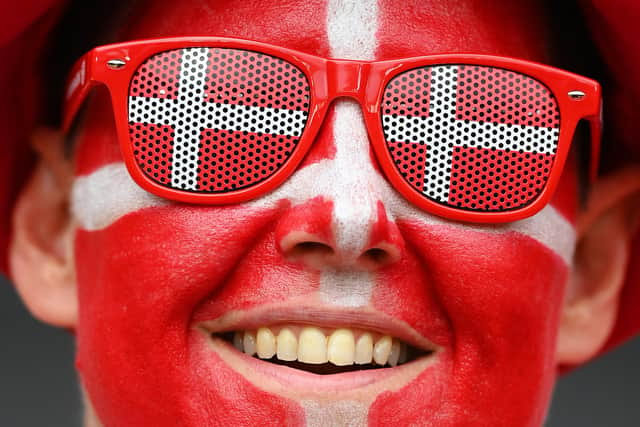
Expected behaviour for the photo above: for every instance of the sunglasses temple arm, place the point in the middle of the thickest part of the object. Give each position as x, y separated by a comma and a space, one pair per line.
77, 88
595, 125
596, 137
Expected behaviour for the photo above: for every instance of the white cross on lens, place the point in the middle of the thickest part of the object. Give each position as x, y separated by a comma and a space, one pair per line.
190, 114
447, 132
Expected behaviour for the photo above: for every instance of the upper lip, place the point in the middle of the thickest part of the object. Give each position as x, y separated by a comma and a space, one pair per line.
360, 318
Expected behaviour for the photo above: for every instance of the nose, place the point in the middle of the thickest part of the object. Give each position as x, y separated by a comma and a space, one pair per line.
320, 236
345, 226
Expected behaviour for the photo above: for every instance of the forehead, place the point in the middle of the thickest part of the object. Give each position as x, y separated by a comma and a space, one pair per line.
401, 28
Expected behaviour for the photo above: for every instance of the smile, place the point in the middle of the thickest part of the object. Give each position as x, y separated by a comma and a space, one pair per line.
325, 349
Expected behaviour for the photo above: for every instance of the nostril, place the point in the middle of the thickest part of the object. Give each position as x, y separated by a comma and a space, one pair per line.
314, 254
379, 256
305, 248
376, 256
311, 249
314, 251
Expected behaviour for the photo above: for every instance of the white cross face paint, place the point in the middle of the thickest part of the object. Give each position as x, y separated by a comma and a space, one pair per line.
480, 276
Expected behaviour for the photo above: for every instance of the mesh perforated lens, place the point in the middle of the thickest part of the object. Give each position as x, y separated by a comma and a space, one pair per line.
214, 120
471, 137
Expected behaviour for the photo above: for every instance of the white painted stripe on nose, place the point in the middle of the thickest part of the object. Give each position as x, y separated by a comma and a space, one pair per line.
354, 199
351, 31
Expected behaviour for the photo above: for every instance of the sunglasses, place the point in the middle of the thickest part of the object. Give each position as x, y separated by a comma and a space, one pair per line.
211, 120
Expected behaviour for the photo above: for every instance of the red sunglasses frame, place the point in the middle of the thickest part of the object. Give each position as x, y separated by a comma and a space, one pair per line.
114, 65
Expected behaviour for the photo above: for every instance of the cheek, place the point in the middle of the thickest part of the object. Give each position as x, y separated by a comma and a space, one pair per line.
140, 280
501, 299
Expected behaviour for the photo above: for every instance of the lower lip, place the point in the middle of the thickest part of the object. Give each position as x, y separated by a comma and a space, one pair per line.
297, 379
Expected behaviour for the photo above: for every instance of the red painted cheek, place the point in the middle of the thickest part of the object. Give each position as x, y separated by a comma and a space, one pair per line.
492, 301
141, 281
264, 275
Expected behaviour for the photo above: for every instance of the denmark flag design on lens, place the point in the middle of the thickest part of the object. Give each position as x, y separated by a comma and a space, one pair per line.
471, 137
214, 120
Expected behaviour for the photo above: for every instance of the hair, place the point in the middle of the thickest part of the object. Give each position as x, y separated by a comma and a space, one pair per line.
82, 26
575, 50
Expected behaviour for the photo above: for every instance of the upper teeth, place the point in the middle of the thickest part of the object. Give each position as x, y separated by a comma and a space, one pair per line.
309, 344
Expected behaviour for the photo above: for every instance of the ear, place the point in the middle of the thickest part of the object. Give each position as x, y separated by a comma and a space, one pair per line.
605, 229
41, 251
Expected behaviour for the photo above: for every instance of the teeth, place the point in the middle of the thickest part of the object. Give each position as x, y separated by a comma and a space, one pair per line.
310, 345
403, 354
341, 348
237, 341
265, 343
394, 354
364, 349
287, 345
381, 350
249, 343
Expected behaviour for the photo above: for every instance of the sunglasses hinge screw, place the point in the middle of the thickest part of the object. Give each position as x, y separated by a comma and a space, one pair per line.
116, 64
576, 95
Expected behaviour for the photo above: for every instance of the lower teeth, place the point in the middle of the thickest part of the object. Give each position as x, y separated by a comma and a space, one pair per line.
324, 368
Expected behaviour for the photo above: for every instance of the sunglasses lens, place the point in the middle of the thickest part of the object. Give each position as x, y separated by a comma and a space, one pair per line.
471, 137
215, 120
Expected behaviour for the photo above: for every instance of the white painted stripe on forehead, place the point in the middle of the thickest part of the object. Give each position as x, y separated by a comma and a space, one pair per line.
351, 28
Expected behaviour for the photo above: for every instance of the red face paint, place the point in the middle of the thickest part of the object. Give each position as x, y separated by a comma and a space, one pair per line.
147, 280
502, 310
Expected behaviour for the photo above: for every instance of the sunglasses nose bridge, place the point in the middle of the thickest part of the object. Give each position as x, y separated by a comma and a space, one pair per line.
345, 78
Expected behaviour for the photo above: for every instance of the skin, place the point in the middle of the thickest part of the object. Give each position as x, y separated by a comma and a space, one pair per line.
149, 273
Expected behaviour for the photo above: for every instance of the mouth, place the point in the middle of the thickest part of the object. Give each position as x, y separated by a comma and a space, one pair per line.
319, 342
323, 351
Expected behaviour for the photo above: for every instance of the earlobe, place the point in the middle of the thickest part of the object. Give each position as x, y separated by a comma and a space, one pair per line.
605, 230
41, 250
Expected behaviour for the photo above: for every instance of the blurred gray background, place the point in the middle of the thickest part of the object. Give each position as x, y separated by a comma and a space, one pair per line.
38, 384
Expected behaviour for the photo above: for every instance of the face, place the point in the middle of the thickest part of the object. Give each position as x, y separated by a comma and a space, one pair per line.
165, 289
